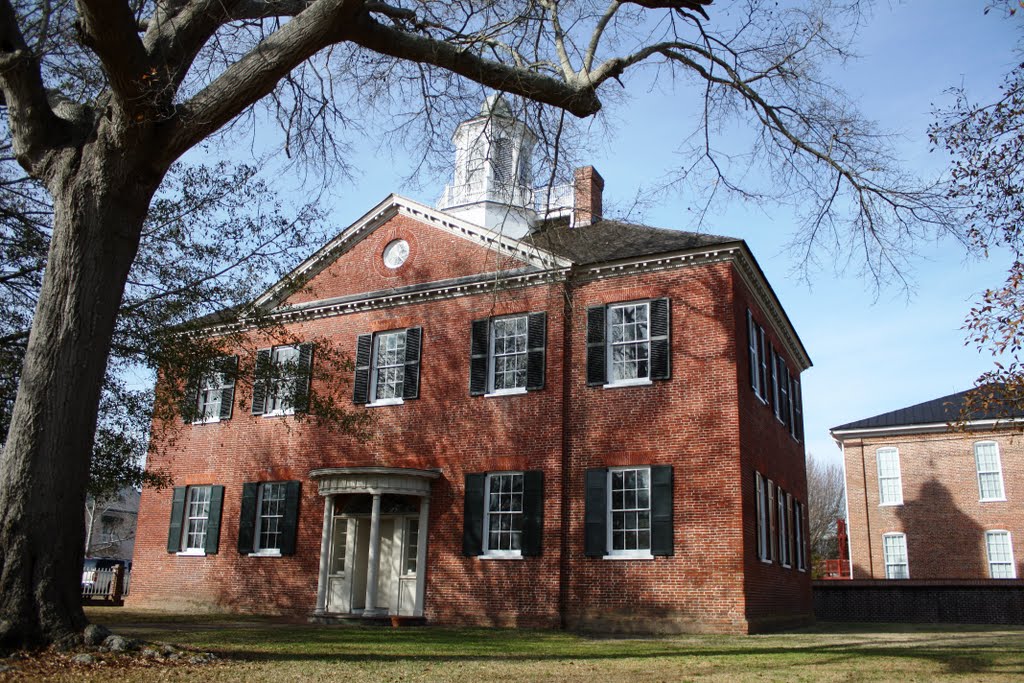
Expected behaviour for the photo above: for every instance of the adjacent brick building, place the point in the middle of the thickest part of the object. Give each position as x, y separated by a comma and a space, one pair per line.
927, 501
576, 422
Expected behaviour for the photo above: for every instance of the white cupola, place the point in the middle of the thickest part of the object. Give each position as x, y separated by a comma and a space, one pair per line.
493, 184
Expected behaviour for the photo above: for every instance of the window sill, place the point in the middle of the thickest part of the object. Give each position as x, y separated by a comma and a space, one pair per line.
495, 556
207, 421
890, 505
266, 553
992, 500
386, 402
518, 391
629, 383
765, 561
629, 556
191, 553
279, 413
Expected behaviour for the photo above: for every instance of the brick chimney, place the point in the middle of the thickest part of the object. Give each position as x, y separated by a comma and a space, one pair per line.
588, 186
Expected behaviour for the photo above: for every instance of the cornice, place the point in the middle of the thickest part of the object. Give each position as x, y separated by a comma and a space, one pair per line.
843, 435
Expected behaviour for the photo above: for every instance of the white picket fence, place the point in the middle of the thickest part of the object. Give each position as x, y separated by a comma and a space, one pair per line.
98, 584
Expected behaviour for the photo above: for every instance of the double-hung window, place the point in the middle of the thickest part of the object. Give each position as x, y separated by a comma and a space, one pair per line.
1000, 555
269, 517
628, 343
894, 549
195, 520
890, 483
629, 512
761, 506
508, 354
282, 380
990, 471
780, 506
387, 367
504, 514
211, 391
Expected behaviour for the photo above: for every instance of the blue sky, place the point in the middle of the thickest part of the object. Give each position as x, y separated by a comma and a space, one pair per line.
872, 352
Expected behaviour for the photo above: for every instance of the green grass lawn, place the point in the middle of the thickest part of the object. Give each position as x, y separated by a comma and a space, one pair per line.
258, 650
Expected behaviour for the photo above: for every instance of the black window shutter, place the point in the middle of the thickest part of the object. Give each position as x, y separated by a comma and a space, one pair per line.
752, 351
473, 526
290, 520
662, 509
177, 515
361, 384
661, 356
303, 377
595, 519
213, 522
798, 411
597, 355
229, 370
536, 344
783, 378
189, 406
247, 518
413, 344
259, 385
775, 381
478, 350
533, 512
763, 353
758, 514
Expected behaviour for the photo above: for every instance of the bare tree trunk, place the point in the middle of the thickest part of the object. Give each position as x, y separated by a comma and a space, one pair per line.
100, 197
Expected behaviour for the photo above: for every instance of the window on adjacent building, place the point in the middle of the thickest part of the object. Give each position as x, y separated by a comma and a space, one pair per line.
195, 519
412, 547
629, 512
761, 506
890, 484
990, 470
504, 514
387, 367
894, 548
628, 343
282, 380
508, 354
1000, 555
268, 518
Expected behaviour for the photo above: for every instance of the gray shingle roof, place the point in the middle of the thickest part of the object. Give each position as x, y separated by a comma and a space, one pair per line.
613, 240
935, 411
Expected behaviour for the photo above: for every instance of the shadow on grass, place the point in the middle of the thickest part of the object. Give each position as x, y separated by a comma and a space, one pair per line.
952, 649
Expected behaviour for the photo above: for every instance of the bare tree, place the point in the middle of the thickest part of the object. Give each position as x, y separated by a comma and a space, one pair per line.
102, 96
826, 502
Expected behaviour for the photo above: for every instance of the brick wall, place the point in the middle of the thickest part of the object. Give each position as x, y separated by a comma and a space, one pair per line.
942, 515
692, 422
953, 602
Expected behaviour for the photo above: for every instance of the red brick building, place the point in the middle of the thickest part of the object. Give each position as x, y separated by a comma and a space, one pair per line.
929, 502
576, 422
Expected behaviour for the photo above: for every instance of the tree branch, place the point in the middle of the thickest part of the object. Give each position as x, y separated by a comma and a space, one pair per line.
33, 123
109, 29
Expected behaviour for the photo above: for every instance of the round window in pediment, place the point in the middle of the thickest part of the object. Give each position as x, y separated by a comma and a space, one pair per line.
396, 253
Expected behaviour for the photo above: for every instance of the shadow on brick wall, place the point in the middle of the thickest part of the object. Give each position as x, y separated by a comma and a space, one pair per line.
943, 542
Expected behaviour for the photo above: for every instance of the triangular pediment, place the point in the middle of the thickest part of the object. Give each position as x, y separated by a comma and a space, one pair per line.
441, 248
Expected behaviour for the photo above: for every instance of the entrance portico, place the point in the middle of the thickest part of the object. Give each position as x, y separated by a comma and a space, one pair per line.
373, 549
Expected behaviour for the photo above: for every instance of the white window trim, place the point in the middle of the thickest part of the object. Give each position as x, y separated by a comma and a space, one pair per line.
609, 365
999, 462
185, 549
491, 364
885, 558
374, 346
898, 477
258, 551
194, 552
220, 393
761, 517
612, 554
489, 554
1013, 559
407, 545
290, 410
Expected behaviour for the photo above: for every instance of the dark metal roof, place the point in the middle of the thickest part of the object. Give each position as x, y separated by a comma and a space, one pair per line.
936, 411
614, 240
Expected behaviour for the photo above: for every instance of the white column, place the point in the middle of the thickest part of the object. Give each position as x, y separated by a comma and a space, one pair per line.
325, 552
421, 556
373, 562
